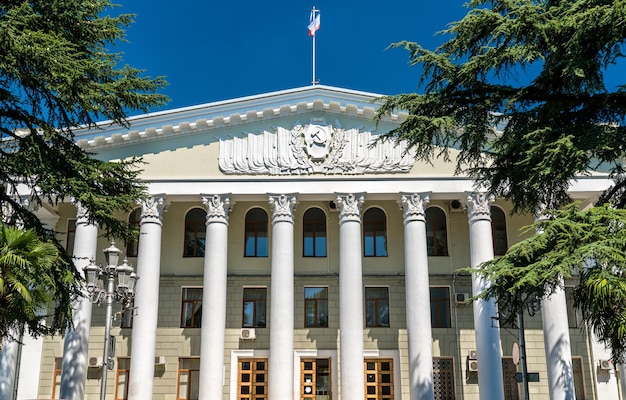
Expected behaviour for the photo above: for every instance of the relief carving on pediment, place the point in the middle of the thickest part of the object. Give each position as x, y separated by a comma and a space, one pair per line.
316, 148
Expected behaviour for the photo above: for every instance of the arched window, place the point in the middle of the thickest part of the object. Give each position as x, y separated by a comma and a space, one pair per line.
436, 232
256, 233
314, 233
375, 233
195, 232
498, 231
132, 248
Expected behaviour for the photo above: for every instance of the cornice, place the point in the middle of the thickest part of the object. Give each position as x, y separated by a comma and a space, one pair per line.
223, 114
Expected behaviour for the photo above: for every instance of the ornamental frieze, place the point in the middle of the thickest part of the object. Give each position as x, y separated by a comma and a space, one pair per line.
314, 149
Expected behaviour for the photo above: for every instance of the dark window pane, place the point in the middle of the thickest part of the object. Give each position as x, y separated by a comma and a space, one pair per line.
498, 229
440, 316
374, 233
436, 232
314, 233
256, 244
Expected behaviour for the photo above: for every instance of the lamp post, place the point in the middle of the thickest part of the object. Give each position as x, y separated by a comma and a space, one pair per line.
108, 292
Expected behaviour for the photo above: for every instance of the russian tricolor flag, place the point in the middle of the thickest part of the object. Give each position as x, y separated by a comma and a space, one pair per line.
314, 22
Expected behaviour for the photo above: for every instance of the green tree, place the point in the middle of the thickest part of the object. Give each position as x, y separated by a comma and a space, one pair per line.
57, 75
519, 89
29, 272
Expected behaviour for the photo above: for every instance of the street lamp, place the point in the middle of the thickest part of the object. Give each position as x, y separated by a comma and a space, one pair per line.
122, 293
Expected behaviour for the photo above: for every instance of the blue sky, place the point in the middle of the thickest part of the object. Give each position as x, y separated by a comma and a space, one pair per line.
217, 50
222, 49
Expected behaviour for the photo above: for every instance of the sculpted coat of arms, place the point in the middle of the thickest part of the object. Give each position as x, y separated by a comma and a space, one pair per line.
313, 148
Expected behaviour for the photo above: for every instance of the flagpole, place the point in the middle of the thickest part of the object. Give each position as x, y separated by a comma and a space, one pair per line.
313, 18
313, 81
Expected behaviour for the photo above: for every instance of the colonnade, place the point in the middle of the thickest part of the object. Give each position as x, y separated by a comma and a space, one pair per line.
351, 307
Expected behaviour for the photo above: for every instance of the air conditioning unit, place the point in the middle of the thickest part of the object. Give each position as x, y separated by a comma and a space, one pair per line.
462, 298
472, 354
248, 334
605, 364
456, 206
94, 362
472, 365
159, 360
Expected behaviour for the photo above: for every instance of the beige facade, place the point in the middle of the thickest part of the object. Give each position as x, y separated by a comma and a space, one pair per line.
184, 151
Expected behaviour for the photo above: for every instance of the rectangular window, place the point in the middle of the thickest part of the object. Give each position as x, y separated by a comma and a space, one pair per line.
188, 378
316, 307
572, 313
315, 379
314, 238
121, 378
191, 313
254, 303
71, 235
379, 379
377, 307
443, 378
440, 307
56, 378
127, 316
511, 387
252, 380
577, 372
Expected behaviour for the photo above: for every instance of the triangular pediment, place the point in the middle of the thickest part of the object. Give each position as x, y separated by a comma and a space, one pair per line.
277, 133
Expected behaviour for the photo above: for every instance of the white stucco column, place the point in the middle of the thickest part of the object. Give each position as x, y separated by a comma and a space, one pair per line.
9, 357
486, 327
74, 370
350, 296
143, 342
281, 298
557, 345
214, 296
417, 296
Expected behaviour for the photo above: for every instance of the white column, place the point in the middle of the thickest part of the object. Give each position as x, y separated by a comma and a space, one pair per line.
8, 361
281, 298
74, 371
350, 296
557, 345
214, 296
486, 328
143, 340
417, 297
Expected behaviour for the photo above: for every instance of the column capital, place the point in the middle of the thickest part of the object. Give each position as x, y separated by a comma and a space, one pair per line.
152, 209
478, 206
413, 206
349, 206
283, 206
217, 207
82, 214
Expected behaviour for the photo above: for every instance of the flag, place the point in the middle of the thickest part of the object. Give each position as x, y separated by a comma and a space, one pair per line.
314, 22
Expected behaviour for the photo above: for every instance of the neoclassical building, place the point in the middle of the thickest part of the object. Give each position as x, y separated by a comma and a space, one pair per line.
284, 253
